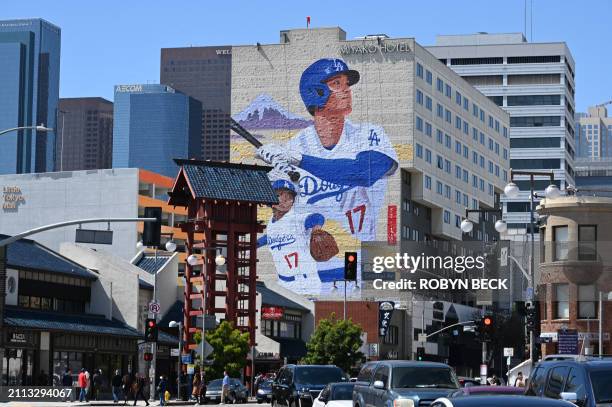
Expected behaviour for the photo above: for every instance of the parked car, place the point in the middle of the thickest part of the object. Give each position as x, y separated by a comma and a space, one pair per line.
299, 385
238, 393
468, 381
264, 391
385, 383
499, 401
335, 395
488, 391
585, 381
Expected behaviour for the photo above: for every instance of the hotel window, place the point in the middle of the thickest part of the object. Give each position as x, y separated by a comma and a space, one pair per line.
457, 221
448, 91
482, 139
447, 192
419, 123
475, 134
446, 217
447, 166
474, 110
428, 155
587, 302
428, 103
465, 176
466, 127
439, 136
447, 141
458, 196
428, 182
465, 200
466, 152
466, 104
428, 77
587, 242
448, 116
561, 302
440, 85
482, 115
419, 97
440, 162
560, 243
458, 147
439, 187
419, 151
439, 110
428, 129
458, 98
457, 172
475, 157
419, 70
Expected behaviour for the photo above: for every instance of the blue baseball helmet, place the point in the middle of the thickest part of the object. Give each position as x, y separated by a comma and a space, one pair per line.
313, 89
284, 184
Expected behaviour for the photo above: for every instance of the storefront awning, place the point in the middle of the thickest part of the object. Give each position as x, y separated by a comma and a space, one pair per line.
52, 321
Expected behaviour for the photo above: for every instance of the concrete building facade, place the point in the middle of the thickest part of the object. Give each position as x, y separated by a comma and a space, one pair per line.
575, 271
449, 141
34, 200
85, 134
29, 79
534, 83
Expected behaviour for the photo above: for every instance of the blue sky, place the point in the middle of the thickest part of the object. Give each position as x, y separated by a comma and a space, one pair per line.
111, 42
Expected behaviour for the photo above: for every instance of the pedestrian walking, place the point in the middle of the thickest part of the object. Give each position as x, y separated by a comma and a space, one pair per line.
161, 389
67, 381
96, 384
89, 386
82, 385
126, 384
140, 384
195, 386
520, 380
116, 383
202, 390
225, 387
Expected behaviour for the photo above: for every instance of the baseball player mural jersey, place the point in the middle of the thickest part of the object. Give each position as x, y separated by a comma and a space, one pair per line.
346, 183
288, 241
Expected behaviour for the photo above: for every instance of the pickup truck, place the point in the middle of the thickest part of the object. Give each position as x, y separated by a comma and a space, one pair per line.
401, 383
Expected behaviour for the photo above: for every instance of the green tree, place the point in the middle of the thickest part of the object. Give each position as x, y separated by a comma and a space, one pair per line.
335, 342
230, 348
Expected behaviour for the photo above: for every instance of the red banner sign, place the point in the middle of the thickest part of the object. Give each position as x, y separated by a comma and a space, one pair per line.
392, 224
271, 312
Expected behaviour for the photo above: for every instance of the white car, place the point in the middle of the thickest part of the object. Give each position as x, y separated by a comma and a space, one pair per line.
335, 395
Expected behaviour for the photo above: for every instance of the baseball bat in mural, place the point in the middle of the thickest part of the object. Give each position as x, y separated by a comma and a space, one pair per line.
244, 133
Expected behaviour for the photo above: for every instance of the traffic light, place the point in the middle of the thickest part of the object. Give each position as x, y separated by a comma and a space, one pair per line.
532, 318
151, 232
148, 356
150, 330
420, 353
487, 326
350, 266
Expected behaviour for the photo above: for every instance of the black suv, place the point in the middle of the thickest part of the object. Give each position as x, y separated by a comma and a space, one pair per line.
299, 385
585, 381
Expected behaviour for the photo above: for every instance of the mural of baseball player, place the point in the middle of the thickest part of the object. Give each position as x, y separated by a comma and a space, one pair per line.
343, 166
290, 237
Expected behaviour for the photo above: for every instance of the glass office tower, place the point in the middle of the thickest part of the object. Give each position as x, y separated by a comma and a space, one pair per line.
152, 125
29, 79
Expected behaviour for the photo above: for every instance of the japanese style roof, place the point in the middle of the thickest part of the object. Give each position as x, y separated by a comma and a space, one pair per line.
54, 321
270, 297
148, 263
223, 181
26, 254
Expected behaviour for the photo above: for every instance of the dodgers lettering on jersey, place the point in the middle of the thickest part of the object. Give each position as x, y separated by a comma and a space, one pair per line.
355, 207
289, 244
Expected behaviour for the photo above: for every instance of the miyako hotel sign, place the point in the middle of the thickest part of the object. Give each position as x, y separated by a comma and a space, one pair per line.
373, 48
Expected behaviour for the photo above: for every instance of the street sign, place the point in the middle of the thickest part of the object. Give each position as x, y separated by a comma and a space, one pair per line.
185, 359
508, 352
567, 342
154, 307
483, 370
174, 352
385, 311
503, 256
207, 348
422, 338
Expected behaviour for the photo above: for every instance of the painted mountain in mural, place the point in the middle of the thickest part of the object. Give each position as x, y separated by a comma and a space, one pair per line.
264, 113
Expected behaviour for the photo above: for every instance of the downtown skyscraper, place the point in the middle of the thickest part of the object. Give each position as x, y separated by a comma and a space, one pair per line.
29, 79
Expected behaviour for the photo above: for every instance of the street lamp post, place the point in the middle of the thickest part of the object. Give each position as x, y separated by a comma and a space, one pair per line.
170, 247
173, 324
466, 227
40, 127
512, 191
